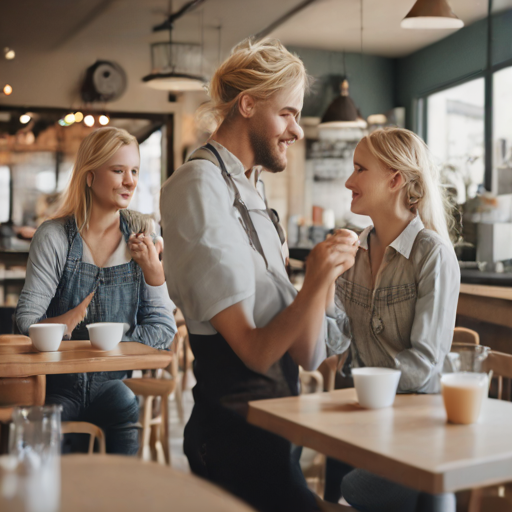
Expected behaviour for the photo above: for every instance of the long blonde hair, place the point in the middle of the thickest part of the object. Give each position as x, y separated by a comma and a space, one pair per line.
96, 149
403, 151
258, 68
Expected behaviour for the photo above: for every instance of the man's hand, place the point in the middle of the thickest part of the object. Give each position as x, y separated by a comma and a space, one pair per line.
332, 257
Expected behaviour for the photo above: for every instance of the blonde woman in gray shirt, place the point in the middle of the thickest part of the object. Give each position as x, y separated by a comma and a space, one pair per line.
397, 304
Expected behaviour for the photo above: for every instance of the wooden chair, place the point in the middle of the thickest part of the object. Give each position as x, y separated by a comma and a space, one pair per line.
310, 382
17, 390
464, 335
83, 427
155, 430
501, 366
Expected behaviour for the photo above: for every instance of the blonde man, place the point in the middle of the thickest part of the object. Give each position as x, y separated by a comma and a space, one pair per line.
249, 329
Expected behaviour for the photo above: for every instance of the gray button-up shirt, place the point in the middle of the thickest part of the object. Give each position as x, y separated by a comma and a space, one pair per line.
406, 321
209, 261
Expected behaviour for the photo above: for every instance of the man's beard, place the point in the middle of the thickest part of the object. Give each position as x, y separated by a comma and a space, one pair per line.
264, 153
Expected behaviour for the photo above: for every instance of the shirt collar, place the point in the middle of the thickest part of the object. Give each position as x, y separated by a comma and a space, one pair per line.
233, 165
403, 242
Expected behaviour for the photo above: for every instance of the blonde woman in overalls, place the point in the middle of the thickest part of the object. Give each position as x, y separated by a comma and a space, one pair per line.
88, 265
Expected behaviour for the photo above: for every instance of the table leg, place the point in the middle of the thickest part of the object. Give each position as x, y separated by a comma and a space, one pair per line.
436, 502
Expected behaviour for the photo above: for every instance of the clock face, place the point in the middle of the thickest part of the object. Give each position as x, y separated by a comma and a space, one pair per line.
109, 80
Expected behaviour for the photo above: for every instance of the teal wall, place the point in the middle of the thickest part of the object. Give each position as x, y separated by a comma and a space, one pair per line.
371, 78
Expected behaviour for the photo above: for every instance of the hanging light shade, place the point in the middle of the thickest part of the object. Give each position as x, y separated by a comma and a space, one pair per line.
342, 112
176, 67
431, 14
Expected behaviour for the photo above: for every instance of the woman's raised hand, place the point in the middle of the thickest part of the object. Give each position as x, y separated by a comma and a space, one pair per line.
145, 254
332, 257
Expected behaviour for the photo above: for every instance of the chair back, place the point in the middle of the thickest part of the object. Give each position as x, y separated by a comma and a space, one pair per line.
14, 339
464, 335
501, 366
22, 391
83, 427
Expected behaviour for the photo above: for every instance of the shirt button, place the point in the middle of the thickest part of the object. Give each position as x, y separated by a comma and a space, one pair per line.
377, 325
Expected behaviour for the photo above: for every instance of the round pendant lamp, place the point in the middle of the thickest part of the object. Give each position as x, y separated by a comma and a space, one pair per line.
176, 67
431, 14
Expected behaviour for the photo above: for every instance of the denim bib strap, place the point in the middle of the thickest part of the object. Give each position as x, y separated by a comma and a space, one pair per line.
117, 289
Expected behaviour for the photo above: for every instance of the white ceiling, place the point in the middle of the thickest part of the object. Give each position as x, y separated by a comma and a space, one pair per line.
51, 25
336, 25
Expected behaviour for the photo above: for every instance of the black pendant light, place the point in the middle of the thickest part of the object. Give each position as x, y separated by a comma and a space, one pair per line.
431, 14
342, 112
176, 67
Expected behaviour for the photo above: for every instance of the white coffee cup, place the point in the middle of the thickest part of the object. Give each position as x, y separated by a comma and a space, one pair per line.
46, 337
376, 387
105, 335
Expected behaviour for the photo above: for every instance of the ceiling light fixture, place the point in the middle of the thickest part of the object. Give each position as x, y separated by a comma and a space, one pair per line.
342, 112
431, 14
79, 117
25, 118
104, 120
9, 53
176, 67
7, 90
89, 121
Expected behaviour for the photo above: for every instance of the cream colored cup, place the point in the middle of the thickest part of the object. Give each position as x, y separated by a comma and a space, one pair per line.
46, 337
105, 335
375, 387
463, 394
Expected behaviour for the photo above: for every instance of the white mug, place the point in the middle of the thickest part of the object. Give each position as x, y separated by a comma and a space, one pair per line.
46, 337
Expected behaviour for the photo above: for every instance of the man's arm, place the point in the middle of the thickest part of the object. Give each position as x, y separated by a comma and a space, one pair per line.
296, 329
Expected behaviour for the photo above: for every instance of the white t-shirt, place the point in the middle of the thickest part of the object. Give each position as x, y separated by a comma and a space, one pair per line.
121, 256
209, 261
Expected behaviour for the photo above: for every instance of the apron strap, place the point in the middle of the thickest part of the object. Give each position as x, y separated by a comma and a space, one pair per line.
208, 152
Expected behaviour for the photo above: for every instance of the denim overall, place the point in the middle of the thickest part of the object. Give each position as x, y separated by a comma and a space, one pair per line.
101, 397
255, 465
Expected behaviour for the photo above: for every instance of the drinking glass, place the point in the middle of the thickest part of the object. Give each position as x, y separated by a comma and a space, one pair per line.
34, 448
464, 382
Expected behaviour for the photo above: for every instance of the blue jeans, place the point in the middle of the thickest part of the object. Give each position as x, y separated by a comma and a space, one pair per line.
101, 399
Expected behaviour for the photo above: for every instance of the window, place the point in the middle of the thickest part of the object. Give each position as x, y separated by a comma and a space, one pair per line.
147, 196
502, 132
455, 135
5, 193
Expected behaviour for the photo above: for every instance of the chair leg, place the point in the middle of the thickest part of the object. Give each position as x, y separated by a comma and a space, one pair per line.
146, 428
164, 430
178, 396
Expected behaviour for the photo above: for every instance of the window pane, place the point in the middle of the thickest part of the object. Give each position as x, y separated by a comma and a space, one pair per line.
147, 196
455, 135
503, 131
5, 198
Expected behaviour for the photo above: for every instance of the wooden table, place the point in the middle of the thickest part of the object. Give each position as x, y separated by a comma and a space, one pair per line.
409, 443
78, 356
97, 483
